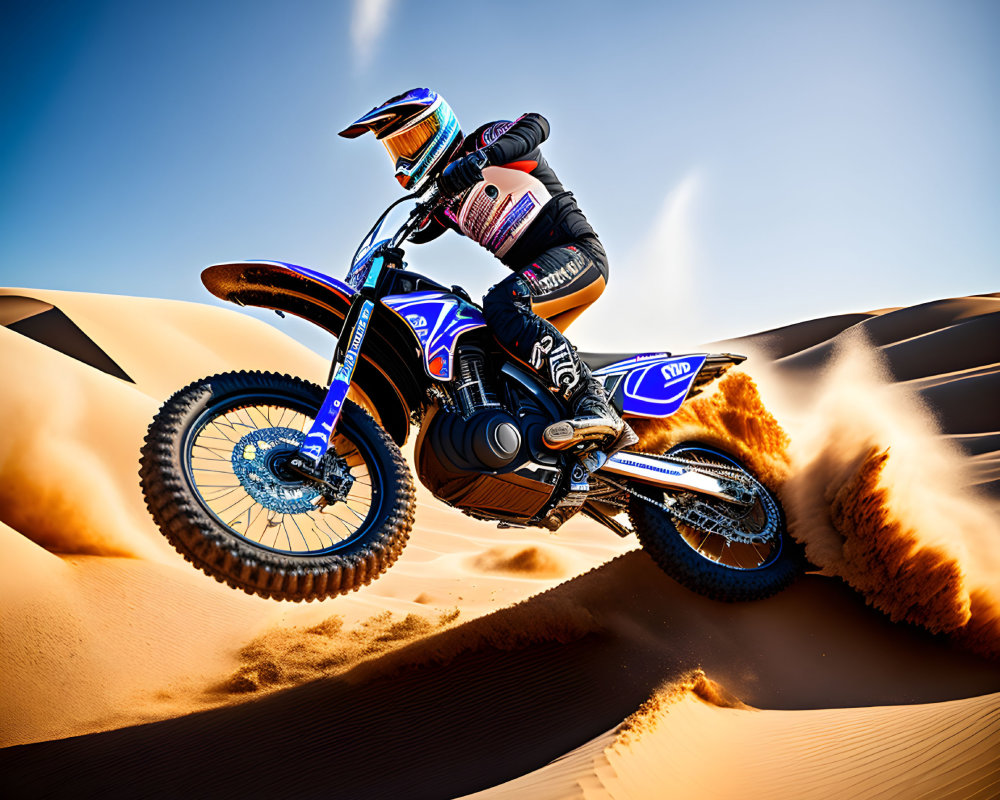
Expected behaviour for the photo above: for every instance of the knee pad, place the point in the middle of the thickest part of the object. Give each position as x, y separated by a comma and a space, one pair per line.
512, 294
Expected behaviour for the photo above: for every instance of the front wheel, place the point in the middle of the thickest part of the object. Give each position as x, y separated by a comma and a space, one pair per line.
218, 479
723, 550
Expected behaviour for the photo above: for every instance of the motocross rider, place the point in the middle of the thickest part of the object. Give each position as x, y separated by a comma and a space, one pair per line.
500, 191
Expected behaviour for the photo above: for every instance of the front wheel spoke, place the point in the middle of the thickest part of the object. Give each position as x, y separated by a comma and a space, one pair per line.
260, 417
298, 527
234, 504
284, 529
281, 420
238, 514
317, 530
220, 424
288, 532
360, 517
328, 522
217, 497
269, 525
215, 471
349, 525
241, 417
253, 521
217, 453
239, 521
203, 437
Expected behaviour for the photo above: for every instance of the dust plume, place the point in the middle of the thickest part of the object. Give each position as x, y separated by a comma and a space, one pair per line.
284, 657
880, 500
287, 656
869, 487
696, 683
63, 452
534, 562
731, 416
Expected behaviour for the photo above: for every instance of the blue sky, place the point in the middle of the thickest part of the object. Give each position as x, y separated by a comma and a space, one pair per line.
747, 164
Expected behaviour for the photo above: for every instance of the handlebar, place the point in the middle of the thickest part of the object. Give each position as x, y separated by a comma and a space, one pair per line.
420, 212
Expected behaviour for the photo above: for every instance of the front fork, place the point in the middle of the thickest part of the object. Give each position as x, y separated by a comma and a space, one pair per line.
317, 441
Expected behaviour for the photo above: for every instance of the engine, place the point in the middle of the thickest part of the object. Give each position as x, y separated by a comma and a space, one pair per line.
480, 434
473, 453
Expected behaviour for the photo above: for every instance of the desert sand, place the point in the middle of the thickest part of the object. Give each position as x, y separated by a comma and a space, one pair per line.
500, 663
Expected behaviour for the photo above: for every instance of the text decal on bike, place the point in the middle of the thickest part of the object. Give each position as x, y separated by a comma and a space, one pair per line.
317, 441
652, 386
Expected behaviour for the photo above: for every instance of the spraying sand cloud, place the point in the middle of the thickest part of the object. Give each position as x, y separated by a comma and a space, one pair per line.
526, 562
870, 488
730, 415
880, 500
286, 656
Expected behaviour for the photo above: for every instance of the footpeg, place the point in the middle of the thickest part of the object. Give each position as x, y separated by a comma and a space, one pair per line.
566, 433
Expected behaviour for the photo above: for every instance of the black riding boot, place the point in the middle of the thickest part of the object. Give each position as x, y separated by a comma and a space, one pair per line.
536, 341
593, 419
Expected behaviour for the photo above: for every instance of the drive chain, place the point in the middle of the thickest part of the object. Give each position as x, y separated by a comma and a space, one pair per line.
687, 509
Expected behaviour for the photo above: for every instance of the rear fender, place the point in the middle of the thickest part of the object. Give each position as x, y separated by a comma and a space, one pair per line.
657, 384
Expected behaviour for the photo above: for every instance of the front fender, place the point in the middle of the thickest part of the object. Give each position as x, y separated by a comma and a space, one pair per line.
281, 286
382, 376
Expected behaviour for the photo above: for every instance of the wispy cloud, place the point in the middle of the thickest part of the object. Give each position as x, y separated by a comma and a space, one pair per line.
668, 253
368, 22
654, 285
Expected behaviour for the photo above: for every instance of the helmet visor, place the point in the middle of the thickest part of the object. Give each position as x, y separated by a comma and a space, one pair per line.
407, 146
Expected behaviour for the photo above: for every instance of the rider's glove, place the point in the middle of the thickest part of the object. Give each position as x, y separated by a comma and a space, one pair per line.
462, 173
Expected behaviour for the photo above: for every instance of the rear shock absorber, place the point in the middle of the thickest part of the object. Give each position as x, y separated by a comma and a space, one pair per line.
482, 435
474, 394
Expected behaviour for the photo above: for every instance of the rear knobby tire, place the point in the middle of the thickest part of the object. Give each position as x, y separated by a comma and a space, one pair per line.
660, 535
173, 487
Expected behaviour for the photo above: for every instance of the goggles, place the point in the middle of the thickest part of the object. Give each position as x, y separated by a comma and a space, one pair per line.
408, 145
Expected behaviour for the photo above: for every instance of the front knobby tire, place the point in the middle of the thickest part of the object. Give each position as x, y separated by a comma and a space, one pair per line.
215, 479
708, 563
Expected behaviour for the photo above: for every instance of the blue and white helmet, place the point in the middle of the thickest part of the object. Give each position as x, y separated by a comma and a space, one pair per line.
419, 130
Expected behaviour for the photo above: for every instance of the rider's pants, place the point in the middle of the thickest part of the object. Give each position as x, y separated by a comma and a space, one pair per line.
528, 310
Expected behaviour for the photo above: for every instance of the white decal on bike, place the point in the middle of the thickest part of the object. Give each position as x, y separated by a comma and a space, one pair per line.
417, 321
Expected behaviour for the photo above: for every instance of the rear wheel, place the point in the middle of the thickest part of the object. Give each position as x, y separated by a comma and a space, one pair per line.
726, 551
218, 476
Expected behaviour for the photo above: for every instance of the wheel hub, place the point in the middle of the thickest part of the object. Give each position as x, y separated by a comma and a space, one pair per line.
751, 525
261, 461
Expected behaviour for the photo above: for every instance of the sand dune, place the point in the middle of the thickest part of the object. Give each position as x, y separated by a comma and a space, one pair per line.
105, 624
515, 664
688, 745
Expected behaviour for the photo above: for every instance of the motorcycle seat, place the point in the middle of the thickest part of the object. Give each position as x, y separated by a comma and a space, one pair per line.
599, 360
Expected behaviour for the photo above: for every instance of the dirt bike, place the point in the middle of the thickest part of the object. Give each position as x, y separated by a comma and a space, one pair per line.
292, 491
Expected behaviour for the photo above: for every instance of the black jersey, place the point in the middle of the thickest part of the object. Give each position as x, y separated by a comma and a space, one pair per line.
520, 209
